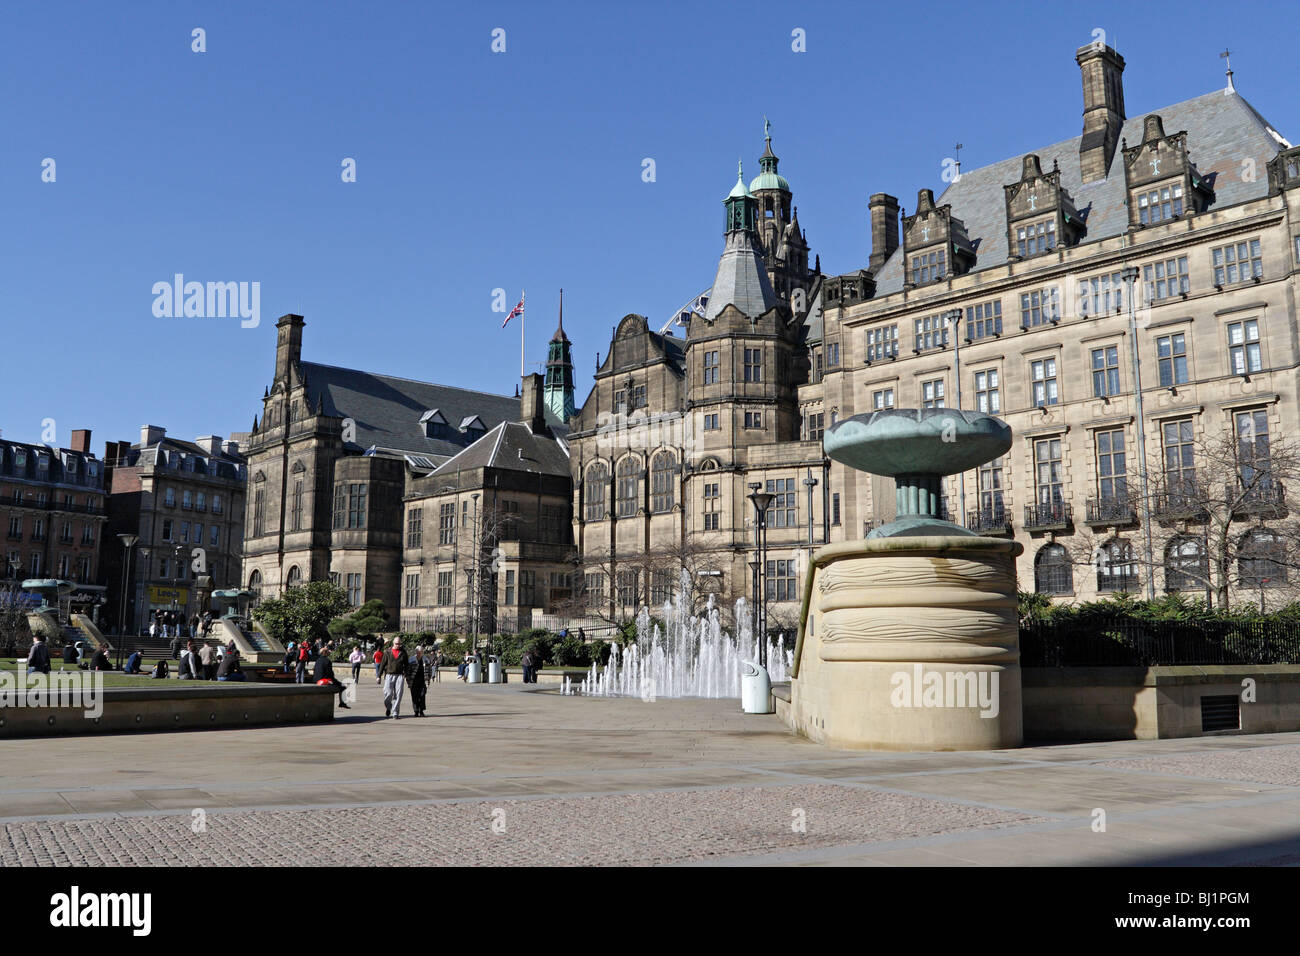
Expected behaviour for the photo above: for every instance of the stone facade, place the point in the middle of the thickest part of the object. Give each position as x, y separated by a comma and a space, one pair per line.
1035, 278
182, 500
52, 514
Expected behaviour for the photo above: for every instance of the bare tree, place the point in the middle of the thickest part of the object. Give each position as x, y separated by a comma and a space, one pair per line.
1219, 523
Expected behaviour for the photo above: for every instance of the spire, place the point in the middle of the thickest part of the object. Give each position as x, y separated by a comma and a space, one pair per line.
741, 279
559, 335
557, 390
1226, 55
768, 161
254, 424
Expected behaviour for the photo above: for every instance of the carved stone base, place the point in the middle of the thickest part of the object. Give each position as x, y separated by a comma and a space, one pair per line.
910, 644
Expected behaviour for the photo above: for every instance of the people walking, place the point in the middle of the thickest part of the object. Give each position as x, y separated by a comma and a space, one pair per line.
396, 663
527, 662
379, 661
356, 659
324, 673
418, 682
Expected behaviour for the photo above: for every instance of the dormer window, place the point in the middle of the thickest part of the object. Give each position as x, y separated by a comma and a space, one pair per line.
1035, 237
1040, 213
1160, 204
929, 267
434, 424
935, 245
1163, 184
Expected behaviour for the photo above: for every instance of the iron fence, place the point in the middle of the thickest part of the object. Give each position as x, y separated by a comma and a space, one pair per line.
1124, 642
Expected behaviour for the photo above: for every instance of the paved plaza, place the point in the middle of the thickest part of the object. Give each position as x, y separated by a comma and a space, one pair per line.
515, 774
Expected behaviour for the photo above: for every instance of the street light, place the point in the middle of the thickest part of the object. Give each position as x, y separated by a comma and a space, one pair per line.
128, 542
952, 318
762, 501
1130, 276
477, 577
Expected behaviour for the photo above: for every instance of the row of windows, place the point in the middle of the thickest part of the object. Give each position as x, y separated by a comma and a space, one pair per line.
1262, 560
188, 535
1095, 296
65, 566
39, 499
66, 532
192, 500
1243, 352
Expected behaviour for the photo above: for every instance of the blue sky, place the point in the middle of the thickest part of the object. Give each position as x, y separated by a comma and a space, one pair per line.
479, 170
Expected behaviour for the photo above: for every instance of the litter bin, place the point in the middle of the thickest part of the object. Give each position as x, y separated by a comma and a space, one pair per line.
755, 689
494, 669
474, 672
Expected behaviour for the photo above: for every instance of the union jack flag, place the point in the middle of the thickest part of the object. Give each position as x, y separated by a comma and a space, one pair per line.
517, 310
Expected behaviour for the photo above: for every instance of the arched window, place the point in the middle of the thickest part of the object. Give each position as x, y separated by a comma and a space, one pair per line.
1261, 560
661, 482
629, 486
295, 577
1186, 568
255, 585
1116, 569
593, 492
1052, 571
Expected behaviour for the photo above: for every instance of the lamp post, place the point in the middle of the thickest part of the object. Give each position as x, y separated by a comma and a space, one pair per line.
1130, 276
762, 501
145, 554
477, 577
469, 607
952, 318
753, 567
128, 542
810, 483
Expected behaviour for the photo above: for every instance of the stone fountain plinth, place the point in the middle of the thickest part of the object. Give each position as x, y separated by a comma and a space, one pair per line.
909, 640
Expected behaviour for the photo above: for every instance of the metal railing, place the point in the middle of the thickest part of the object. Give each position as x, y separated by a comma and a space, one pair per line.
1048, 514
1123, 642
995, 518
1110, 511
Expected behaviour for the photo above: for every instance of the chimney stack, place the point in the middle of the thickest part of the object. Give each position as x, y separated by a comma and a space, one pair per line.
151, 435
209, 443
1103, 108
532, 412
81, 440
884, 229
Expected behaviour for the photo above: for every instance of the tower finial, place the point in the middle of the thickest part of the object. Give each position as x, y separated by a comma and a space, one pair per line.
767, 129
740, 170
1226, 55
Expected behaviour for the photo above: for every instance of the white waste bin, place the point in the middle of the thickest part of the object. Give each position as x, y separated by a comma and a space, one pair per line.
755, 689
474, 673
494, 669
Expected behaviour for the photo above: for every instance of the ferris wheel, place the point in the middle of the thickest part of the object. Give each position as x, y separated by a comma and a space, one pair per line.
696, 305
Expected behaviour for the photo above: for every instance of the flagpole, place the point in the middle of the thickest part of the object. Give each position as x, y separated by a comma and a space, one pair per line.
522, 316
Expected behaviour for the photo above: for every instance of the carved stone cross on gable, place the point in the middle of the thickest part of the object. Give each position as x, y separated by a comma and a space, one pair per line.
1033, 202
1155, 166
925, 234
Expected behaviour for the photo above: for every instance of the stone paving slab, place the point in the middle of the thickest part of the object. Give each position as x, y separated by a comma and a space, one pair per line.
630, 782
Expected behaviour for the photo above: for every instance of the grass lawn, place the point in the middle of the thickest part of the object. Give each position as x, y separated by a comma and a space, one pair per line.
111, 678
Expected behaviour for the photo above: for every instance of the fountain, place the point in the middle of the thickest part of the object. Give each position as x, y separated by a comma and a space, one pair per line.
909, 639
690, 656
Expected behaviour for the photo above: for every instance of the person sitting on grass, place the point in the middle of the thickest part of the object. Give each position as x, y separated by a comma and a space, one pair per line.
160, 671
190, 668
229, 669
38, 658
132, 663
100, 661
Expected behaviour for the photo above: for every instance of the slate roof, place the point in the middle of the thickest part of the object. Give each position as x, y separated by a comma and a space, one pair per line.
512, 446
1223, 130
387, 410
741, 280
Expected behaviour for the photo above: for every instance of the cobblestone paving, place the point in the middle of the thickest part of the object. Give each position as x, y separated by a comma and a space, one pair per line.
647, 828
1279, 766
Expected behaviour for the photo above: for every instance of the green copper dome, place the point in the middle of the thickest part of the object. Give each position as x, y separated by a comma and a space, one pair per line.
738, 191
768, 181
